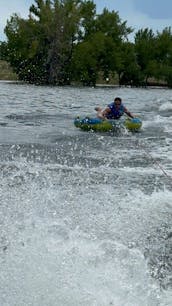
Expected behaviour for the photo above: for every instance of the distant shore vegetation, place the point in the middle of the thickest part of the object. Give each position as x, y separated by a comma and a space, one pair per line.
65, 41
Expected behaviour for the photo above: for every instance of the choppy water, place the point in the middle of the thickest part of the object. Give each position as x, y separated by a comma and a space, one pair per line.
85, 218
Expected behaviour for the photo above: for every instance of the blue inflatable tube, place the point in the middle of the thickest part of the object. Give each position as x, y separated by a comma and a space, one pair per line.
96, 124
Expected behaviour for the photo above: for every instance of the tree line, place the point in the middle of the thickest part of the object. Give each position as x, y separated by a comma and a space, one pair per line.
65, 41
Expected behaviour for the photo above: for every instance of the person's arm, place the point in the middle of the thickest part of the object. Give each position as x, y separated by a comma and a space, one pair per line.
100, 115
128, 113
106, 112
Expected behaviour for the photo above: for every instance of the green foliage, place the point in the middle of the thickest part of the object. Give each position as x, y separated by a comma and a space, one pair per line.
3, 50
87, 21
65, 40
110, 24
145, 50
128, 69
154, 54
84, 64
100, 49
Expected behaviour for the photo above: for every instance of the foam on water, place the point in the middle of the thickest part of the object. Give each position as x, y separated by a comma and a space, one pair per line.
86, 245
166, 106
51, 265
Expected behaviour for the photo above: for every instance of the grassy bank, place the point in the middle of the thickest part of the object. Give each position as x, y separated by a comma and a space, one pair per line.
6, 72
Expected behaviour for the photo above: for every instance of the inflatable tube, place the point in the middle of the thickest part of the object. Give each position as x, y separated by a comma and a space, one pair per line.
96, 124
133, 124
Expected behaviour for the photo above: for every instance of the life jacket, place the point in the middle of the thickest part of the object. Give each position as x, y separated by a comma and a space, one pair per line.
115, 113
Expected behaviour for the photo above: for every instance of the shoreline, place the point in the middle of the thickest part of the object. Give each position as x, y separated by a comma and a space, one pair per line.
99, 85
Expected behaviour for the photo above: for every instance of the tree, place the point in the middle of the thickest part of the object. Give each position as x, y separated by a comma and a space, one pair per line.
65, 32
128, 69
24, 50
154, 54
100, 49
145, 43
163, 56
40, 48
3, 50
111, 25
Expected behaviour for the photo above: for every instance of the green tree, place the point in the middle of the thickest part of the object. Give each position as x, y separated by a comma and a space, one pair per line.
100, 50
40, 48
3, 50
87, 22
145, 43
24, 50
65, 29
59, 22
163, 56
128, 69
84, 64
112, 26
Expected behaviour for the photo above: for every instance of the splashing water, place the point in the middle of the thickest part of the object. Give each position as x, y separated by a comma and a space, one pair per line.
85, 218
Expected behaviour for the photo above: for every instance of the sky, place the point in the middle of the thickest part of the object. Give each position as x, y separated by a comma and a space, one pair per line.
139, 14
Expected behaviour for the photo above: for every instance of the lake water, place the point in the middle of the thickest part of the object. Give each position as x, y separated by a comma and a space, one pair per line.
85, 218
